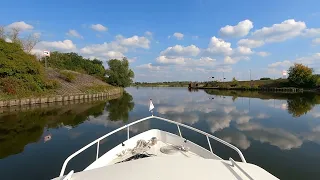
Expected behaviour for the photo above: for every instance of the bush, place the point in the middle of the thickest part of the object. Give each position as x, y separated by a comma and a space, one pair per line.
75, 62
265, 78
20, 72
52, 84
67, 76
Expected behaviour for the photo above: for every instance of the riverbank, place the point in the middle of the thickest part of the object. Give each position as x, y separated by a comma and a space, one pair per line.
115, 92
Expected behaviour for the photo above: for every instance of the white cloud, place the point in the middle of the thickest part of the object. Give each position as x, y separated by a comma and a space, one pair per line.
179, 50
316, 41
115, 49
134, 41
178, 35
148, 66
239, 30
219, 46
309, 60
21, 25
65, 46
283, 64
171, 60
234, 60
229, 60
312, 32
280, 32
244, 50
204, 61
99, 27
251, 43
74, 33
113, 55
263, 54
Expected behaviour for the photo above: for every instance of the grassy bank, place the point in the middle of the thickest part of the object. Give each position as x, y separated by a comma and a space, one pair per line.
23, 75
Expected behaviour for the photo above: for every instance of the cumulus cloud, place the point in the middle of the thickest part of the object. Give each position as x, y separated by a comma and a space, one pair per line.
178, 35
179, 50
219, 46
171, 60
250, 43
148, 66
99, 27
312, 32
280, 32
234, 60
74, 33
244, 50
134, 41
239, 30
229, 60
283, 64
314, 59
64, 46
21, 25
316, 41
115, 49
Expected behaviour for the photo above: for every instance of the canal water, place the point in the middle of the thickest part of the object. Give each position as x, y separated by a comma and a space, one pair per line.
278, 132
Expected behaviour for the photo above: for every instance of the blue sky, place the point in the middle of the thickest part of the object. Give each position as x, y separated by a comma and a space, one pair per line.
177, 40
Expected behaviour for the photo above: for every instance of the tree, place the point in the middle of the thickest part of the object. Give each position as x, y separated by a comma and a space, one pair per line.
234, 82
14, 35
29, 42
119, 73
301, 76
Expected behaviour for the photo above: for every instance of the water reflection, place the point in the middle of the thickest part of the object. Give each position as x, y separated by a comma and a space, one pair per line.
297, 103
119, 109
269, 128
22, 128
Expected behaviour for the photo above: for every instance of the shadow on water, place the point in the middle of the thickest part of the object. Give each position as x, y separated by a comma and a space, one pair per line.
298, 103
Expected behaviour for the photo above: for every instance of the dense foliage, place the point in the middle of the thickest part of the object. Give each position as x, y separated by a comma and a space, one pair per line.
265, 78
73, 61
302, 76
119, 73
20, 72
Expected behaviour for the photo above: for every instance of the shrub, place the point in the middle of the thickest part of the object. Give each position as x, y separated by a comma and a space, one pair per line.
20, 72
67, 76
52, 84
265, 78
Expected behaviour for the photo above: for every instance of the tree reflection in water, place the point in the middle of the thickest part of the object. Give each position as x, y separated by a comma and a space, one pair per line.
298, 103
119, 109
21, 128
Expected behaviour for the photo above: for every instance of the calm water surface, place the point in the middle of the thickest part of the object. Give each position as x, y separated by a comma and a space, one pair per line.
279, 132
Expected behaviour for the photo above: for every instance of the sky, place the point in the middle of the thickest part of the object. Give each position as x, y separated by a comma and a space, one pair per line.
177, 40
